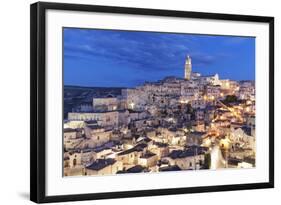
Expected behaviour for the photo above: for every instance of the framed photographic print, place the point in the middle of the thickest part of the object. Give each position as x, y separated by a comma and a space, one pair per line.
129, 102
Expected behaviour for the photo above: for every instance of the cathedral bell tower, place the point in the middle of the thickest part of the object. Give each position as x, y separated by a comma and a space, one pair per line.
187, 68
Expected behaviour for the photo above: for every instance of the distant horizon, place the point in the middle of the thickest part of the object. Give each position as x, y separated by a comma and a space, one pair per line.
89, 86
109, 58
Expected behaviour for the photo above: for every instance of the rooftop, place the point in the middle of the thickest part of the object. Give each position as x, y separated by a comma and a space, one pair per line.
234, 161
137, 148
197, 134
169, 168
94, 127
160, 144
136, 169
65, 130
100, 164
148, 155
247, 130
91, 121
189, 152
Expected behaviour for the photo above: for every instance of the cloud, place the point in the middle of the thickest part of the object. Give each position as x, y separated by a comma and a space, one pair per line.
139, 50
236, 40
201, 59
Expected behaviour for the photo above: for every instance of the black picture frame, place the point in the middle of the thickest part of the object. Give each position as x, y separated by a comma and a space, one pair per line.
38, 100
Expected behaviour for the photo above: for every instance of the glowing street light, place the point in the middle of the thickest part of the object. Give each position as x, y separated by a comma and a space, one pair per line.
227, 84
183, 101
208, 142
132, 105
224, 143
248, 102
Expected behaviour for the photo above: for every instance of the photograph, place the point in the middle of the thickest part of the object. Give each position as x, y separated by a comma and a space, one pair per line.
140, 101
146, 102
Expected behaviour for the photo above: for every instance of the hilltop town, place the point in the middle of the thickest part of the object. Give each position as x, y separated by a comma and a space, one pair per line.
192, 123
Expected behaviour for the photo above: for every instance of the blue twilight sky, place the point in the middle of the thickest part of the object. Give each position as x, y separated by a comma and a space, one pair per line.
107, 58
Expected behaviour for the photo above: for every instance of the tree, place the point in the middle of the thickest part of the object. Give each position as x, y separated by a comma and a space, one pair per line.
207, 161
230, 99
189, 109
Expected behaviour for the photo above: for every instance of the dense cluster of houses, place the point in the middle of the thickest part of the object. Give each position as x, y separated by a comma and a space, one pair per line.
169, 125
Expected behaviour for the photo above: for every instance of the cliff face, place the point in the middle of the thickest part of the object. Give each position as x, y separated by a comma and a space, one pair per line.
75, 95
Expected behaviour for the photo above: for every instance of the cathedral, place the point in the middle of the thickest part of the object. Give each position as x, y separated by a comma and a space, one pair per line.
187, 68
